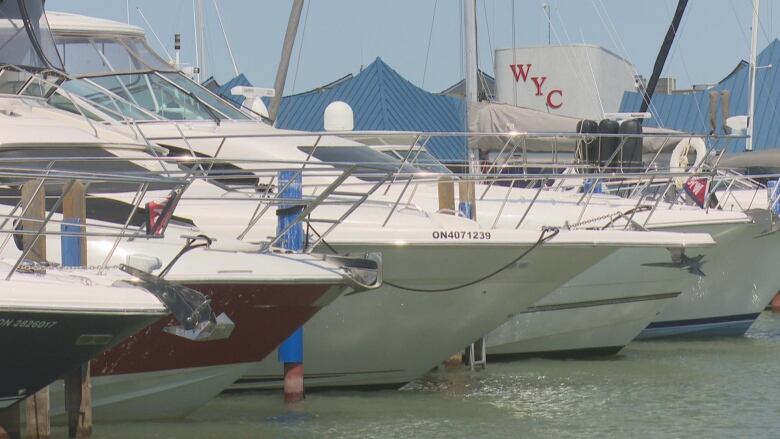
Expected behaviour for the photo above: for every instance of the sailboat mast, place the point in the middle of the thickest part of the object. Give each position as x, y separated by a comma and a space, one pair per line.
470, 46
752, 85
660, 60
200, 41
284, 61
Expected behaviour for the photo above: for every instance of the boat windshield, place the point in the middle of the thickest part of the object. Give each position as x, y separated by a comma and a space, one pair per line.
95, 56
343, 157
421, 159
128, 67
166, 95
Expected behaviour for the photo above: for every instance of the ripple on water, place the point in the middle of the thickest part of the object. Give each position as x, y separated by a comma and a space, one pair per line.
679, 389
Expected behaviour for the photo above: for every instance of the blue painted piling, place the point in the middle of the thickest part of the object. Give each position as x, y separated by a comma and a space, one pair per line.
71, 245
466, 209
773, 191
588, 183
291, 350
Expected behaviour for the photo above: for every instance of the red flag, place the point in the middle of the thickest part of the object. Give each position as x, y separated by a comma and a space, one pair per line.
155, 221
697, 189
160, 213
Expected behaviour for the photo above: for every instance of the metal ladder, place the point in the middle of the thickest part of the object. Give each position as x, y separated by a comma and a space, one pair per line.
481, 347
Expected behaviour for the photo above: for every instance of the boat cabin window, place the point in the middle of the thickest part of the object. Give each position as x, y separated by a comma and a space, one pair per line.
342, 157
113, 108
117, 62
206, 96
155, 94
89, 56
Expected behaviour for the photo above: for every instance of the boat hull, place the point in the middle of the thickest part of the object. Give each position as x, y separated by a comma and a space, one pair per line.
167, 393
603, 308
390, 336
40, 347
264, 315
589, 330
726, 301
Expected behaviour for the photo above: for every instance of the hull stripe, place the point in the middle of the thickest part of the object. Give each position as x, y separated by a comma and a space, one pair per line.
704, 321
593, 303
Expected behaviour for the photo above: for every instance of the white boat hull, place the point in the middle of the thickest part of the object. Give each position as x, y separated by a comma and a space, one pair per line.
725, 301
165, 394
596, 330
389, 336
599, 311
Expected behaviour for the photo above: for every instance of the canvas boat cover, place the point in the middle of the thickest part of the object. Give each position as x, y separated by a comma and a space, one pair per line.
504, 118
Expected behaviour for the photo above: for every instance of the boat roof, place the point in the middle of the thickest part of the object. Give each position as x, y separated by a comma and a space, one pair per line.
63, 23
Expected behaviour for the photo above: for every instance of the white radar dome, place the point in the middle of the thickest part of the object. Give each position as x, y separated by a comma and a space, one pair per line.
339, 117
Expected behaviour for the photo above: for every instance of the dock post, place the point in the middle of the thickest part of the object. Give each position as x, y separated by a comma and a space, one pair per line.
467, 205
446, 195
37, 405
78, 385
290, 352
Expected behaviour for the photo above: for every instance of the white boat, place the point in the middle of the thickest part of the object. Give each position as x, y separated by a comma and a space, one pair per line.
417, 250
724, 302
75, 30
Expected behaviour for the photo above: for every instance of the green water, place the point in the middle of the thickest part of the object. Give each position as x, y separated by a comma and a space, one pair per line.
725, 388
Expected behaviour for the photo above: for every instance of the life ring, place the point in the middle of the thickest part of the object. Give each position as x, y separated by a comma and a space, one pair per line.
679, 159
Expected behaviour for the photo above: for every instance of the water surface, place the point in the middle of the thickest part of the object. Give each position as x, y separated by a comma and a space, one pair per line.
723, 388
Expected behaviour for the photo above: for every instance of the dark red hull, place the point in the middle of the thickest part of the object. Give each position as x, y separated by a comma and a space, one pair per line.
264, 315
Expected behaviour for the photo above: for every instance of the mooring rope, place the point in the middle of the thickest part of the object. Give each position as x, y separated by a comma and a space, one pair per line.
547, 234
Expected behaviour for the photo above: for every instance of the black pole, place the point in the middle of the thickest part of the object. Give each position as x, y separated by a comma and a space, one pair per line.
660, 60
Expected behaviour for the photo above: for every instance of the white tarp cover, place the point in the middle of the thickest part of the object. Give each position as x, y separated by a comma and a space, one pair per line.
503, 118
767, 159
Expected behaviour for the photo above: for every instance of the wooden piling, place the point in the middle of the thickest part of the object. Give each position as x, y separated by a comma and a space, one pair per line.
35, 200
446, 195
36, 406
78, 384
37, 415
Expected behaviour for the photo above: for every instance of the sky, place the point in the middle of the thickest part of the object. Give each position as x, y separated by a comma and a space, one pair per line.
422, 39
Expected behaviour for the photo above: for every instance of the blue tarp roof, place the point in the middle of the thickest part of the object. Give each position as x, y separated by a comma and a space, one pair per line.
382, 100
690, 112
224, 89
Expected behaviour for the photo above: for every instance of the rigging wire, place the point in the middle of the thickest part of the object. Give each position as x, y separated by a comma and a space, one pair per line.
514, 52
197, 34
617, 41
765, 84
224, 34
480, 74
151, 29
430, 38
678, 49
300, 46
583, 82
593, 75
